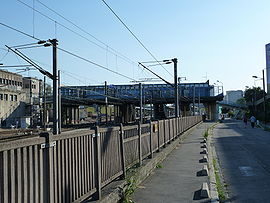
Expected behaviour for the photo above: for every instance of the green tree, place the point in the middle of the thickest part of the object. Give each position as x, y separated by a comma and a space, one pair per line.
253, 94
241, 101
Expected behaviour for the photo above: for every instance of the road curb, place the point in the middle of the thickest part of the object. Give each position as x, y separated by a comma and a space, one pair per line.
116, 194
213, 185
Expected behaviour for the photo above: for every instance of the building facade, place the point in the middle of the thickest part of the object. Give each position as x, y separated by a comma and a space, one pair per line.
233, 95
19, 98
12, 98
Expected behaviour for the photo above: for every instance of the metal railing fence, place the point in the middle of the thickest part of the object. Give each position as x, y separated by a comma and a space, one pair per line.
77, 164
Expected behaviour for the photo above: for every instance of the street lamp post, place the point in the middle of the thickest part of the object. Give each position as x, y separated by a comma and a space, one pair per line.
180, 92
221, 84
176, 88
264, 102
193, 100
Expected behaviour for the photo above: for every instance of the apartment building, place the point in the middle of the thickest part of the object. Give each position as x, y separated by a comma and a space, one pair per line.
12, 98
233, 95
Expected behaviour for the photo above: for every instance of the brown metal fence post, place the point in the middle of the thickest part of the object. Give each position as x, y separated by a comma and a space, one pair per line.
176, 126
48, 167
98, 163
170, 130
151, 140
140, 143
122, 150
164, 129
158, 137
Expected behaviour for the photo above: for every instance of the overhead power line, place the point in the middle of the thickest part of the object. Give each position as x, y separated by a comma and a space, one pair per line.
24, 57
140, 42
115, 52
83, 30
19, 31
4, 56
93, 63
156, 74
78, 77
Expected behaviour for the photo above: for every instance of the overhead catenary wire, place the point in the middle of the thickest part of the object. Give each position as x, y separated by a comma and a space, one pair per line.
112, 51
74, 74
24, 57
126, 94
93, 63
4, 56
156, 74
30, 47
23, 45
140, 42
83, 30
33, 20
87, 90
19, 31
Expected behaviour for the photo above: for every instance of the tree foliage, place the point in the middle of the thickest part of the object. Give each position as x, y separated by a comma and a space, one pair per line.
241, 101
253, 94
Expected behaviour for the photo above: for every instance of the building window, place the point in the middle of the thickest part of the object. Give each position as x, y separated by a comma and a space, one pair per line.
1, 81
11, 97
1, 97
9, 82
15, 98
13, 82
16, 83
5, 97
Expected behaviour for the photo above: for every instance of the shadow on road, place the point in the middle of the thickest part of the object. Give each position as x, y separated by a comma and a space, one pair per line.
243, 154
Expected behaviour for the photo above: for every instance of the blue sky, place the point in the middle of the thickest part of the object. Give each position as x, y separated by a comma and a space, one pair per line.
224, 40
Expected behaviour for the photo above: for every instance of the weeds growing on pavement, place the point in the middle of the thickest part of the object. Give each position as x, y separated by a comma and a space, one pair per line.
130, 186
220, 186
129, 190
206, 133
159, 165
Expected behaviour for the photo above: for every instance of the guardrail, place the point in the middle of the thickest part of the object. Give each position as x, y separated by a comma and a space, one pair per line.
77, 164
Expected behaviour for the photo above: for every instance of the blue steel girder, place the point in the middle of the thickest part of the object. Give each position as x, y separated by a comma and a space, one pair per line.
152, 93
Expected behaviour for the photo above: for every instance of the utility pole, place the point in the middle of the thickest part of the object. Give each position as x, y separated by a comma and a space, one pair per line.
180, 92
264, 102
59, 104
141, 102
106, 101
31, 101
199, 100
55, 89
194, 100
44, 104
176, 88
152, 105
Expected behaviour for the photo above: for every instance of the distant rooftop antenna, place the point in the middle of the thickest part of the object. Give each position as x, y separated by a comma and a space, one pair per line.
205, 77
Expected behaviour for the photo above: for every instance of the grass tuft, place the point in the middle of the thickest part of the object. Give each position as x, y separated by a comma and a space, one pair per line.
206, 133
159, 165
129, 190
220, 187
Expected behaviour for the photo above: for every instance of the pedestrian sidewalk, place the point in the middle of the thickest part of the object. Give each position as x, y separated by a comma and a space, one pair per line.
177, 180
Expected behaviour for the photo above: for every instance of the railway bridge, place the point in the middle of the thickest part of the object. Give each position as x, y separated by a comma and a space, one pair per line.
125, 99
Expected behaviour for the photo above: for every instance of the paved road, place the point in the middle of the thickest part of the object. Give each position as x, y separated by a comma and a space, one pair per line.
177, 180
244, 157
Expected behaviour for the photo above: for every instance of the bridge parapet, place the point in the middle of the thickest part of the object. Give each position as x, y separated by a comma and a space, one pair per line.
152, 93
